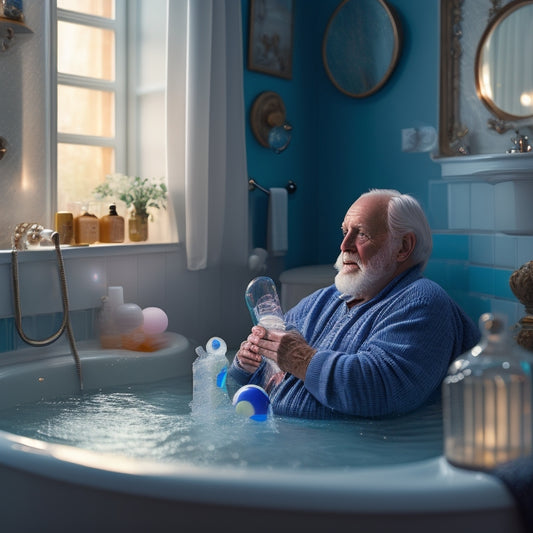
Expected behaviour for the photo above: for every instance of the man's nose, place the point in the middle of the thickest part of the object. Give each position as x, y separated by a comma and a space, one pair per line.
348, 242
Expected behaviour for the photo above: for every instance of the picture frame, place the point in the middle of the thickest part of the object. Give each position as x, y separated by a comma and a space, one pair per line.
270, 37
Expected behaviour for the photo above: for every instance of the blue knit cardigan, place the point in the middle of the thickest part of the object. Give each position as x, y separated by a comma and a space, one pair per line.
387, 356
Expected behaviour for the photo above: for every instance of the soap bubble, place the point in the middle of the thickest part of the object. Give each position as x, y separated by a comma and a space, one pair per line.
128, 317
251, 401
155, 320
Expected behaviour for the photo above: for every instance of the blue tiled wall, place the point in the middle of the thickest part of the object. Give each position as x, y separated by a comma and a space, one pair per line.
475, 270
42, 326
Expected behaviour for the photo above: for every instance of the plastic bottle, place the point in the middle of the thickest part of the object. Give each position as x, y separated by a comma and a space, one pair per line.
209, 378
108, 330
86, 228
112, 226
262, 299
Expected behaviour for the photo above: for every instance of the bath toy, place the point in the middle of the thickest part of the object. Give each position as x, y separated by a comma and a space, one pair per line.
155, 320
251, 401
128, 317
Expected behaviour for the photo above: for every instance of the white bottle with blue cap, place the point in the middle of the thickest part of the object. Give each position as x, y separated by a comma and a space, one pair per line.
209, 377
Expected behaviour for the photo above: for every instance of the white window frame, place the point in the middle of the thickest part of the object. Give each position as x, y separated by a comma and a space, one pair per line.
119, 141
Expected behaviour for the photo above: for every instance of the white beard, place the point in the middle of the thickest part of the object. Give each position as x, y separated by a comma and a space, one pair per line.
367, 281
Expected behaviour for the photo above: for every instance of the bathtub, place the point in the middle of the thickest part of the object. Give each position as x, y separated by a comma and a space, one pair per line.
52, 487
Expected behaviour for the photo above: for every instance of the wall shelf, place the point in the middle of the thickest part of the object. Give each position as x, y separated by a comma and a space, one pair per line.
10, 30
490, 168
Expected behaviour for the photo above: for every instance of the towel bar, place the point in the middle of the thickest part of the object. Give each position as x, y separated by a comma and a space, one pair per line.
252, 184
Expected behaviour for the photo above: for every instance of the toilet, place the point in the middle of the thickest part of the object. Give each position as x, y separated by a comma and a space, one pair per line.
302, 281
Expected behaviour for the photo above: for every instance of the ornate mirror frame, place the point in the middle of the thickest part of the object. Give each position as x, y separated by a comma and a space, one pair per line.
451, 131
466, 125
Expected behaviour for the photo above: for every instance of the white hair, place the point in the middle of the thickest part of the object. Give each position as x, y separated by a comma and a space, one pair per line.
405, 215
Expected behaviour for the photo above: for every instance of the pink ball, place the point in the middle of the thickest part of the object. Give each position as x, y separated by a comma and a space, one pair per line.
155, 320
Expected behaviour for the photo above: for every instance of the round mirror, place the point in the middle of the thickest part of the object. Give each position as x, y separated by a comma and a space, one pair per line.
361, 46
503, 67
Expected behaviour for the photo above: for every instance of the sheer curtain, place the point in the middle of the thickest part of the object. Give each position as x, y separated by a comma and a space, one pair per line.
206, 153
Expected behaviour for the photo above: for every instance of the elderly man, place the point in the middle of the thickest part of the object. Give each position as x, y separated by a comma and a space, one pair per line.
376, 343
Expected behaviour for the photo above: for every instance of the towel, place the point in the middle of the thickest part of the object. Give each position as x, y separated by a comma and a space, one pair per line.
517, 476
277, 221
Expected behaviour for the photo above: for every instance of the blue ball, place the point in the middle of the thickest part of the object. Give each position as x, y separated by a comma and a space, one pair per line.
251, 401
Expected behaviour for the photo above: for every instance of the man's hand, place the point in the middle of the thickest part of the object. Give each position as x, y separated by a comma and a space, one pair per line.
286, 348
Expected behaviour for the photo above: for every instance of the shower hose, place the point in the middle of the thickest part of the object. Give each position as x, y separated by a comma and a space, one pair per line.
65, 324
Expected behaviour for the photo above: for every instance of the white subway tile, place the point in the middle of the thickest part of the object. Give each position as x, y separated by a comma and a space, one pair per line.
482, 249
482, 206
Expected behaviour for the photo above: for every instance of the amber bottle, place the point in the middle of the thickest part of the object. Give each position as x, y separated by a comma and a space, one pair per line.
86, 229
112, 226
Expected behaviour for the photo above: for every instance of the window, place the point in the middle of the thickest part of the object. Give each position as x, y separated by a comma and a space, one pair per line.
111, 89
91, 97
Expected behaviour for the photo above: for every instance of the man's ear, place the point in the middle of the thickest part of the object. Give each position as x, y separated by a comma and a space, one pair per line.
407, 248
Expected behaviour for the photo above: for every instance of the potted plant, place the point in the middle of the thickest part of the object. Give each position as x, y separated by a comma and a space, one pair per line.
140, 195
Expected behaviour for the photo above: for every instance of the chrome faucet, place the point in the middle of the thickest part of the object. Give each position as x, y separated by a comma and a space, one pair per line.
521, 144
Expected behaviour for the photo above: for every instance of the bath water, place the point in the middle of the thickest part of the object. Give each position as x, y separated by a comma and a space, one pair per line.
155, 422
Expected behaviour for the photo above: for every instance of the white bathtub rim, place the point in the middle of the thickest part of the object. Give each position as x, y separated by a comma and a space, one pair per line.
427, 486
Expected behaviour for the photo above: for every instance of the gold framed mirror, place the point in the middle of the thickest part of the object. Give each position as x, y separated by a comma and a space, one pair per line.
503, 66
361, 46
469, 119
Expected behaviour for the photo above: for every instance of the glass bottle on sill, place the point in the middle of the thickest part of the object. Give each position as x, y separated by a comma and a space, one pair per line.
112, 226
86, 228
138, 227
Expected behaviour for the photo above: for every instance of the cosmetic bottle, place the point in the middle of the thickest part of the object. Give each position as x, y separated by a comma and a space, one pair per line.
112, 226
64, 225
86, 228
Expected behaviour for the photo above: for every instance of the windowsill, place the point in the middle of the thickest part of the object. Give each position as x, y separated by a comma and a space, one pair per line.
93, 250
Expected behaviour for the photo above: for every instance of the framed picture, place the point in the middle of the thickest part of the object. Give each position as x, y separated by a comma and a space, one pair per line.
270, 37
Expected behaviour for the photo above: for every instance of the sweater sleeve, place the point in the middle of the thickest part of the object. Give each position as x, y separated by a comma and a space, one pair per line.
402, 360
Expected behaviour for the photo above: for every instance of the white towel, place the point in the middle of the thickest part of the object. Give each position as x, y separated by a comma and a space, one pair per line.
277, 234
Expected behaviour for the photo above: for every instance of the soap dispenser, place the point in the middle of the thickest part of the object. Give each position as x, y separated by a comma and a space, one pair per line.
112, 226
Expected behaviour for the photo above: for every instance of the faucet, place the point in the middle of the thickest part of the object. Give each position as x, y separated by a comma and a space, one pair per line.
521, 144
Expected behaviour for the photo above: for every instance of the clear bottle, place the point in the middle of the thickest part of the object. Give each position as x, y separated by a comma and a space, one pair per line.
265, 309
112, 226
487, 401
263, 303
86, 228
209, 378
